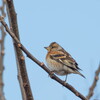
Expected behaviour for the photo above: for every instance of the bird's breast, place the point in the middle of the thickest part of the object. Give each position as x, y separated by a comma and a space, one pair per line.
55, 66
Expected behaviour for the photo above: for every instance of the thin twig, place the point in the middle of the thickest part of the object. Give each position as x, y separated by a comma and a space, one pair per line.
2, 49
96, 78
53, 76
21, 66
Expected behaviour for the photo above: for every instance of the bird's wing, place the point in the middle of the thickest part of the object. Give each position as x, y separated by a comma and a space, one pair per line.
70, 59
65, 59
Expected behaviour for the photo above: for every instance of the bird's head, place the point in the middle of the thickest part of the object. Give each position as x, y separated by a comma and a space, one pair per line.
53, 47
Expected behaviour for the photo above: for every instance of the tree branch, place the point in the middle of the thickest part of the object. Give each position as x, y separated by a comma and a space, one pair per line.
96, 78
53, 76
21, 66
2, 49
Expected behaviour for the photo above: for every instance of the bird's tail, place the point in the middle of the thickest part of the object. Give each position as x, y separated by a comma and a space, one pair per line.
80, 74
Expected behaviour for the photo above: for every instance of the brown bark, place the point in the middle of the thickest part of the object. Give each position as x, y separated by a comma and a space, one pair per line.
21, 66
2, 52
96, 78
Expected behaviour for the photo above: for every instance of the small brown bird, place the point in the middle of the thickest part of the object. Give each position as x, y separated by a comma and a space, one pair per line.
60, 62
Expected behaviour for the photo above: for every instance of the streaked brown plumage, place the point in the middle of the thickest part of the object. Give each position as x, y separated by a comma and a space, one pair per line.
60, 62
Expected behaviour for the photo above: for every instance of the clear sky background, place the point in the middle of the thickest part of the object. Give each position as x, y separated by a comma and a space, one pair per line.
75, 25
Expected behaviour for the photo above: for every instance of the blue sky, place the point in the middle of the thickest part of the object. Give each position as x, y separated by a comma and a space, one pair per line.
75, 25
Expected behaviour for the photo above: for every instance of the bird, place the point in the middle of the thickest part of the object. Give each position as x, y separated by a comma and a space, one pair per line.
60, 62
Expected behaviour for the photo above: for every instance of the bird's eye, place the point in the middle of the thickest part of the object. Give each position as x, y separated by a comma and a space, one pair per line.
53, 46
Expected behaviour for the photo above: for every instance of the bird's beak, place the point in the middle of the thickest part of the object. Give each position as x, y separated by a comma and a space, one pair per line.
45, 47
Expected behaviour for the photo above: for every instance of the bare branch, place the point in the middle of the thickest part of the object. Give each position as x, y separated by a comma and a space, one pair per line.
96, 78
53, 76
21, 66
2, 39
